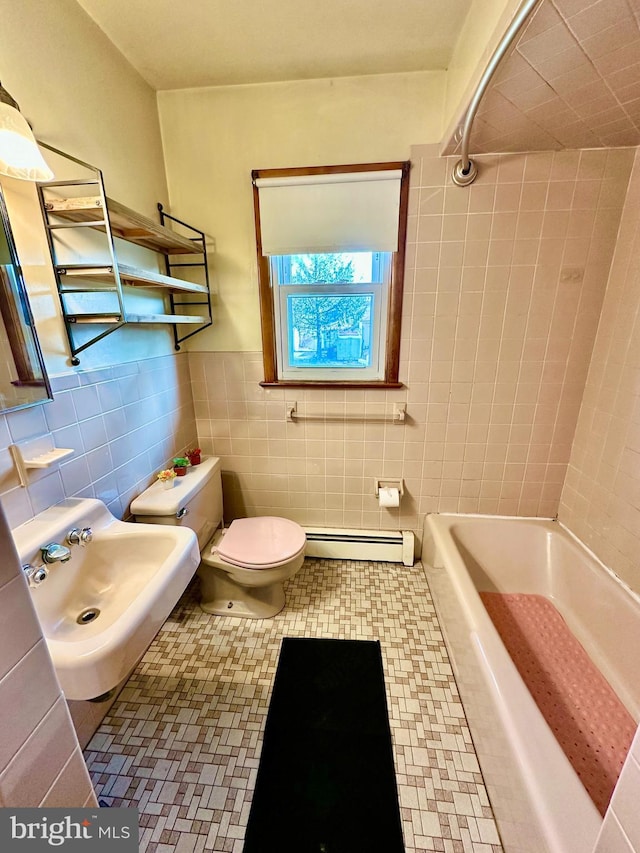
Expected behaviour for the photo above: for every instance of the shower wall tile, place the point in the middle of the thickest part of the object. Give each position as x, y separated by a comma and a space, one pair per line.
123, 423
503, 288
601, 496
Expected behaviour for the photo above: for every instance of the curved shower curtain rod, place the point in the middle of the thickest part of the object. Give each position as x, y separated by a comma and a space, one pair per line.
465, 171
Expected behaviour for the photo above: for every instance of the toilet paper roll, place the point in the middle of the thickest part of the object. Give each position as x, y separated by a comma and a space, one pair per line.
389, 497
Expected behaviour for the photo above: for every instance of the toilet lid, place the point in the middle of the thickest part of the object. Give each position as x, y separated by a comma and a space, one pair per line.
263, 542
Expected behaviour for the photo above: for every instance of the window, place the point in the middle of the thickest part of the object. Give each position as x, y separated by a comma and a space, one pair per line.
330, 258
328, 312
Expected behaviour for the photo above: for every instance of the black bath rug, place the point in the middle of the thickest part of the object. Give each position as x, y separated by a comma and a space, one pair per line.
326, 781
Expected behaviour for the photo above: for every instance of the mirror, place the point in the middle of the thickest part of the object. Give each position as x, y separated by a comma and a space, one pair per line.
23, 378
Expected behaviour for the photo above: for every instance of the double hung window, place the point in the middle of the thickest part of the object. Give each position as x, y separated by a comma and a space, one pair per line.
330, 255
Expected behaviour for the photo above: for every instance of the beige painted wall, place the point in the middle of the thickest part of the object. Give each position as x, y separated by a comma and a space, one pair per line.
483, 28
214, 137
83, 97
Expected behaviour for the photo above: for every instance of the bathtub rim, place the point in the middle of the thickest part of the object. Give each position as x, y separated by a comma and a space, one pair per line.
537, 518
587, 622
563, 829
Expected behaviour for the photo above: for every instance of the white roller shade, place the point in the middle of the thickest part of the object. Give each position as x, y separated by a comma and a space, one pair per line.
344, 212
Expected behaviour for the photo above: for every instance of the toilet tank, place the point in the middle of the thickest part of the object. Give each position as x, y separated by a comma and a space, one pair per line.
195, 501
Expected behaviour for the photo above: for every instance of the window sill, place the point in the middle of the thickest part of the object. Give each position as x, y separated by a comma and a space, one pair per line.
291, 383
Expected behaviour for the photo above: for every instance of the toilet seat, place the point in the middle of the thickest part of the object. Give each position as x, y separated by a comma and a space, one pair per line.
263, 542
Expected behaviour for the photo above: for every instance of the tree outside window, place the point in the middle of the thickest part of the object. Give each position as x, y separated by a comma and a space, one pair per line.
327, 329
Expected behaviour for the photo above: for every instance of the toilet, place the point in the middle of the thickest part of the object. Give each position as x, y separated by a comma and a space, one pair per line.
243, 567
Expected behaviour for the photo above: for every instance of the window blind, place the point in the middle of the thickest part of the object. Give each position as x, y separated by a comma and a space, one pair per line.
339, 212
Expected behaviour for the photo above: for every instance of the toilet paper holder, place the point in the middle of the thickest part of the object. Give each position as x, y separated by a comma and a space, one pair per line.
388, 484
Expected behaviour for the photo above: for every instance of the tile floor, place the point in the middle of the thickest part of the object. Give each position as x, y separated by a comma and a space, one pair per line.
182, 743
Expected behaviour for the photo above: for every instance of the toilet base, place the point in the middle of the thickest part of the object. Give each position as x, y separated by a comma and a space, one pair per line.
223, 598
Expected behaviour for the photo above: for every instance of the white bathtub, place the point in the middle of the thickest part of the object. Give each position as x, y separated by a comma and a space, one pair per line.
538, 800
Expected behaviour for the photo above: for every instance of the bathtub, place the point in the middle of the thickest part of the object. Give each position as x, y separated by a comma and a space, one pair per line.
537, 798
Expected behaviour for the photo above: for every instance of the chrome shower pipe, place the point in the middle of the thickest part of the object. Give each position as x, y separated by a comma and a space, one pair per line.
465, 171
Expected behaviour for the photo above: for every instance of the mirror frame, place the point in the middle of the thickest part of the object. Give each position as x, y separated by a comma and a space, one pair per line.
22, 306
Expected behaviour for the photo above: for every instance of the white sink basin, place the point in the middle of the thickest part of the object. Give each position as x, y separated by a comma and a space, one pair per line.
100, 610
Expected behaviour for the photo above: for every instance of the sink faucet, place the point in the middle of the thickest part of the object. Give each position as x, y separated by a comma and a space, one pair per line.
76, 536
35, 574
54, 553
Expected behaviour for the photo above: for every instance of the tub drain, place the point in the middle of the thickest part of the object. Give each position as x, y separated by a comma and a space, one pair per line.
88, 615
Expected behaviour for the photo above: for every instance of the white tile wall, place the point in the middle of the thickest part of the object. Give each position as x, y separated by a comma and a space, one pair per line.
621, 827
124, 423
601, 494
38, 750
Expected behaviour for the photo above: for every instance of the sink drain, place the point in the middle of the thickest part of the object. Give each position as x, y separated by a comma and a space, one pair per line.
88, 615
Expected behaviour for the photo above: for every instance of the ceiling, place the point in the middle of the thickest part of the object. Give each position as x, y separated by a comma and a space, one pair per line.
221, 42
571, 81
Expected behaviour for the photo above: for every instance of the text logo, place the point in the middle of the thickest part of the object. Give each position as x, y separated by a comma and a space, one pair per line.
33, 830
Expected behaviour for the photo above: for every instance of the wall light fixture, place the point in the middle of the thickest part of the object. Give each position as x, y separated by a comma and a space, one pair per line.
20, 156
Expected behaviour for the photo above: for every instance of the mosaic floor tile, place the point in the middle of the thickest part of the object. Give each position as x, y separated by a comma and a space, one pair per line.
182, 742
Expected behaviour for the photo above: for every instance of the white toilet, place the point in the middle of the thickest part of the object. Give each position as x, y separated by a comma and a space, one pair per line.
243, 567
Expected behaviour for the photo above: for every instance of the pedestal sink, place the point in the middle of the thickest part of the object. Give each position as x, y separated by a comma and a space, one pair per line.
101, 608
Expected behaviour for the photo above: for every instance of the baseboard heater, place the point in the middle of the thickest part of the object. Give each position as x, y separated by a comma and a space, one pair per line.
392, 546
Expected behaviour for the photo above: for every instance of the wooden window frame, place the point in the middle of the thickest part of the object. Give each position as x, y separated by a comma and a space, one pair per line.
394, 309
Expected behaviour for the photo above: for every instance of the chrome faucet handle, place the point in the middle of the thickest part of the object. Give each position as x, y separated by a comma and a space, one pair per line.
35, 574
54, 553
79, 537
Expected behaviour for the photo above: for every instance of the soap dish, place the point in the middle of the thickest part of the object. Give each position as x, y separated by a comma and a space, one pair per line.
39, 452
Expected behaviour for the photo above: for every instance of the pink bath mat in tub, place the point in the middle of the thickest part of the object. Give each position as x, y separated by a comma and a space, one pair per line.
591, 724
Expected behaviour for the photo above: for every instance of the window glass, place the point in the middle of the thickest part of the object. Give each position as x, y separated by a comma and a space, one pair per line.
328, 313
